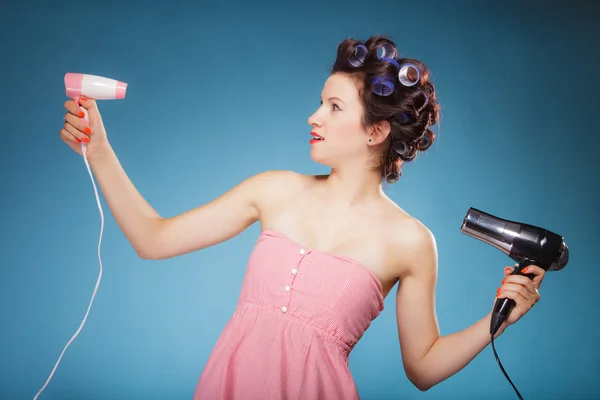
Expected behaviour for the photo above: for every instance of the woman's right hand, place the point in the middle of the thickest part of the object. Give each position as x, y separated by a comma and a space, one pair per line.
77, 129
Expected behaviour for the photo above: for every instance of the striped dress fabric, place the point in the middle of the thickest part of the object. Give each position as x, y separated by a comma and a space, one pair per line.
299, 315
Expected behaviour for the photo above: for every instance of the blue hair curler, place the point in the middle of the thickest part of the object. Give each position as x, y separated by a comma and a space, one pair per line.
409, 75
387, 51
391, 61
358, 58
382, 86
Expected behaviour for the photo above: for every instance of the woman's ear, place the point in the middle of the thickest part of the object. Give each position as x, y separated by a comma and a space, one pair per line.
379, 132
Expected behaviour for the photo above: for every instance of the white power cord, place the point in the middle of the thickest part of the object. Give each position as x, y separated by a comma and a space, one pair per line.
84, 151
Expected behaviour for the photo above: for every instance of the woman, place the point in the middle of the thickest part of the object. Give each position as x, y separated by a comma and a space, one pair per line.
331, 247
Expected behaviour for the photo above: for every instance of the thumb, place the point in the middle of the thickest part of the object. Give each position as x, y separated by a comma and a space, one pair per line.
91, 109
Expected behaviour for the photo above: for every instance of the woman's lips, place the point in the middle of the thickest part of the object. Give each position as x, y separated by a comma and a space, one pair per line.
316, 138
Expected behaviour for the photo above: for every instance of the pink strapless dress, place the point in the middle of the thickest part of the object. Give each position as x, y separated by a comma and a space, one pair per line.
299, 315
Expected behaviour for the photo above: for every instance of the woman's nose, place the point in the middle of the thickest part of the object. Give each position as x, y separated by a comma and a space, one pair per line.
313, 121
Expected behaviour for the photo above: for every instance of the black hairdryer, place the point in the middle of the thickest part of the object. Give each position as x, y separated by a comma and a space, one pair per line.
526, 244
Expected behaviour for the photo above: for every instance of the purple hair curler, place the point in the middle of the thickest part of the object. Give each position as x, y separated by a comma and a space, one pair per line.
358, 58
382, 86
409, 75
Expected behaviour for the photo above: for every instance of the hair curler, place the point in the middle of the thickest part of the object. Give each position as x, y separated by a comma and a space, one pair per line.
382, 86
526, 244
387, 50
357, 59
98, 88
409, 75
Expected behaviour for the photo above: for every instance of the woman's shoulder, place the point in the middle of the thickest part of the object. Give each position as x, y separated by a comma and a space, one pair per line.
277, 186
413, 243
283, 180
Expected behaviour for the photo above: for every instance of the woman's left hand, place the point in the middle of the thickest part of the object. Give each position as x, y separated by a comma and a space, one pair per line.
522, 290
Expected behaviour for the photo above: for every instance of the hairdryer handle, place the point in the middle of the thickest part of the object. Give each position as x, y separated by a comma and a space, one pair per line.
85, 111
86, 117
521, 266
503, 307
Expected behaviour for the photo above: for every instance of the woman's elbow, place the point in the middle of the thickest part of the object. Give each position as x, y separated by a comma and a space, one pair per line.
419, 381
145, 254
422, 387
154, 254
150, 252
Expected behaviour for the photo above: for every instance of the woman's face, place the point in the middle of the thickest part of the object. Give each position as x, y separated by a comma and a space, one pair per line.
338, 123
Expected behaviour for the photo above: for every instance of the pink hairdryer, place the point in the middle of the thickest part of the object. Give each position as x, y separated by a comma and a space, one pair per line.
93, 86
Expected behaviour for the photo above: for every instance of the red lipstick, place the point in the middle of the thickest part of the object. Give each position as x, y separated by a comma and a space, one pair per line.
316, 138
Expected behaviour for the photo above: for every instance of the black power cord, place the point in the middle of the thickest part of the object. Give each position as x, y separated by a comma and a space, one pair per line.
503, 371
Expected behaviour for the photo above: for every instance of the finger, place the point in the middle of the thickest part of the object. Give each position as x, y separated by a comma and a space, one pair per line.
519, 297
520, 280
68, 137
91, 107
522, 305
524, 295
79, 124
74, 108
76, 133
508, 270
525, 291
537, 272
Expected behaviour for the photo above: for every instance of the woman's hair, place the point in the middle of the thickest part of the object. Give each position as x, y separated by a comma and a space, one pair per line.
377, 68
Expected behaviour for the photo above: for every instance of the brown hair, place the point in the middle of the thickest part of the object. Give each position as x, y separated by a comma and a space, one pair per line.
410, 110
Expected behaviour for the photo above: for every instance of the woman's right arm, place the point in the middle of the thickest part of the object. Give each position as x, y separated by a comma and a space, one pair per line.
152, 236
155, 237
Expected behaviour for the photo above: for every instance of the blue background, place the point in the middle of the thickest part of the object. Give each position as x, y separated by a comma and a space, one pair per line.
220, 91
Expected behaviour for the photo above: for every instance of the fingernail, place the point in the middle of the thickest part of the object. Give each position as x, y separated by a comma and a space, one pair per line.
81, 114
83, 98
503, 280
77, 140
85, 139
497, 290
87, 130
525, 269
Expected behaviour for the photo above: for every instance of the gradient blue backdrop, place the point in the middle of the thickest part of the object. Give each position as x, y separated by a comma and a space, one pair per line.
221, 91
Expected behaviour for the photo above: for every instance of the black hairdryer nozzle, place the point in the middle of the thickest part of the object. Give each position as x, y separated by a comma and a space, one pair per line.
524, 243
518, 240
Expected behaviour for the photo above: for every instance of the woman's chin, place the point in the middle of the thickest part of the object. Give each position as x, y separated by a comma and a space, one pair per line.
319, 159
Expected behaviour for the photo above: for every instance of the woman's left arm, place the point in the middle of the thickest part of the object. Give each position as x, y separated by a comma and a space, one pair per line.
428, 357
